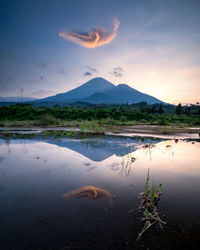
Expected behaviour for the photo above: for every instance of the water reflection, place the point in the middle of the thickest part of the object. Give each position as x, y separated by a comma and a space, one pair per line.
24, 148
7, 143
38, 171
99, 149
147, 148
91, 192
168, 149
2, 158
126, 164
165, 147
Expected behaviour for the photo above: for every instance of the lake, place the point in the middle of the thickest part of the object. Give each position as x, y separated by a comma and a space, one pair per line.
35, 172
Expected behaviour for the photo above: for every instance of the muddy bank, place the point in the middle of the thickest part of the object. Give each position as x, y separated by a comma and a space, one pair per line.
157, 131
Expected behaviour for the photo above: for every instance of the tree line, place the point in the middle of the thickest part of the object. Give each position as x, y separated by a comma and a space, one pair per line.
144, 113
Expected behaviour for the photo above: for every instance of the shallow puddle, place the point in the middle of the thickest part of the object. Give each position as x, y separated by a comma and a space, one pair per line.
35, 173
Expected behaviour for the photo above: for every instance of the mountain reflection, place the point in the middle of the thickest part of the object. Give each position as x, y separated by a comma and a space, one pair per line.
99, 149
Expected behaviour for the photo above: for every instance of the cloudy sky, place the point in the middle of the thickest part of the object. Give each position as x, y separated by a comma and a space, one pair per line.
48, 46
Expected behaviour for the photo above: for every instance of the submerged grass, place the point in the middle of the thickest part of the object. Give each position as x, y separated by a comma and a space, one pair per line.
60, 133
149, 205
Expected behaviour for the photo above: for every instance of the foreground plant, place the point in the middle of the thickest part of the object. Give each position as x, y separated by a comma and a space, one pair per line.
149, 205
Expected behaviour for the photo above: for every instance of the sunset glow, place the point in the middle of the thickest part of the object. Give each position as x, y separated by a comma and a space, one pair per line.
94, 38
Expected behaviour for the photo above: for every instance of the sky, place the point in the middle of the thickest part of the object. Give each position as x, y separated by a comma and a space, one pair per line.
48, 46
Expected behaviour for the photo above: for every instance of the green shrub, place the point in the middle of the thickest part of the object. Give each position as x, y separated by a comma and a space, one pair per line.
48, 119
123, 118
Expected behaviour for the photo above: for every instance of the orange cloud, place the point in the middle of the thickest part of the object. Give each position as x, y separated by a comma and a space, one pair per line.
93, 38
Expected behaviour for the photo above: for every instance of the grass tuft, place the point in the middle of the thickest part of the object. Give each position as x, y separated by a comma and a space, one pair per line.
149, 205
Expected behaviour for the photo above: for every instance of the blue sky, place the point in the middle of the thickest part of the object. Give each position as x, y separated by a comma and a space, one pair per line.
155, 49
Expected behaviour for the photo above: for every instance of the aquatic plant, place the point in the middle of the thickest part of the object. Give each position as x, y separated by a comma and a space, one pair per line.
127, 162
93, 126
84, 126
47, 132
154, 192
149, 204
61, 133
58, 133
148, 145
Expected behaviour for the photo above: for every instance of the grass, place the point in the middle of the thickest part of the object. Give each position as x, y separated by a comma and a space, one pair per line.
149, 205
85, 129
60, 133
92, 126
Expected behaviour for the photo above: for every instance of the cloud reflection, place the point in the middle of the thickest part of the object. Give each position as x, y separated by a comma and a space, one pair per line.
90, 192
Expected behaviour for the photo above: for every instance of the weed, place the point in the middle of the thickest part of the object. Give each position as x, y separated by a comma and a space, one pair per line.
149, 204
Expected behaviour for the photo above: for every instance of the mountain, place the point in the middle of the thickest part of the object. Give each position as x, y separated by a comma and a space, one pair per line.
122, 93
98, 98
16, 99
89, 88
98, 91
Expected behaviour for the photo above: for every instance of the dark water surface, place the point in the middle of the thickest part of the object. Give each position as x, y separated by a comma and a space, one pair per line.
35, 173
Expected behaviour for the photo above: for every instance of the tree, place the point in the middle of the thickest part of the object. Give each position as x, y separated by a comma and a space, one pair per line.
161, 109
153, 109
179, 109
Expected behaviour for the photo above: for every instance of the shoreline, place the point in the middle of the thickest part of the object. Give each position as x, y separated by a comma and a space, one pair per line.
165, 132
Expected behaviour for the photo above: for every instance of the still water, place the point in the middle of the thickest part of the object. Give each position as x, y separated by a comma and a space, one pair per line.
36, 172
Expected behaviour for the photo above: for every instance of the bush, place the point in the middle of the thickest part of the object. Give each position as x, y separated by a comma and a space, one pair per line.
162, 121
123, 118
48, 119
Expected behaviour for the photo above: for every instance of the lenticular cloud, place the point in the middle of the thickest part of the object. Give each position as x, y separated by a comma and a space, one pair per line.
93, 38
